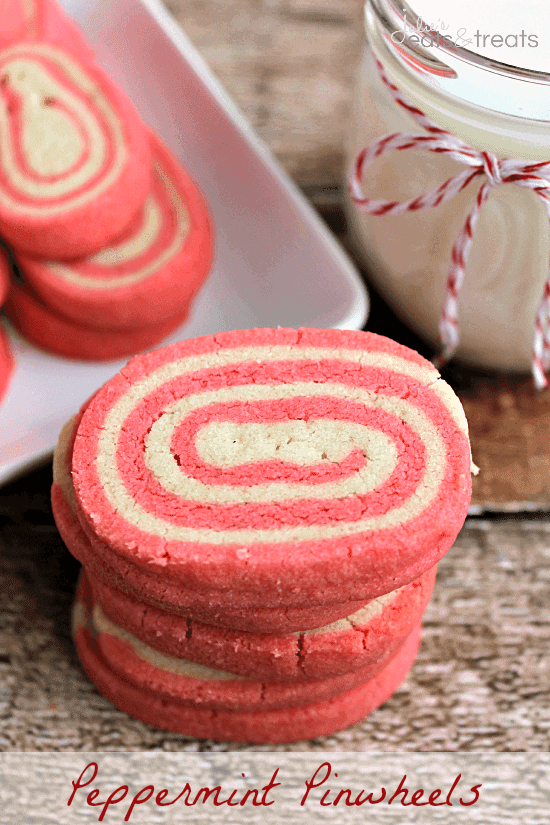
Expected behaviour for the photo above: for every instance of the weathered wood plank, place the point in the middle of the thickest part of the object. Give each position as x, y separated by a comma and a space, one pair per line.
289, 64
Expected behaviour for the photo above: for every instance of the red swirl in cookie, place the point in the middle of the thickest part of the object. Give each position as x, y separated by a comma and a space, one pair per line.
74, 155
276, 465
156, 267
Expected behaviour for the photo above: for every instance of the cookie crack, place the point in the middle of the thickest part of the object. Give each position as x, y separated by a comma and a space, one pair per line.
301, 654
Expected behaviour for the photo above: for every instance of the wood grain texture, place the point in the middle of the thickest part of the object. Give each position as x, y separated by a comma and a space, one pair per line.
513, 787
510, 432
289, 65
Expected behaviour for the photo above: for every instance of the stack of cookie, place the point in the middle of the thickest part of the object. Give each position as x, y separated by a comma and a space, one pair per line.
111, 237
259, 515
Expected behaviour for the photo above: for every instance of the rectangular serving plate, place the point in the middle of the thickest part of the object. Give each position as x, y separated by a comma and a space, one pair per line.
276, 263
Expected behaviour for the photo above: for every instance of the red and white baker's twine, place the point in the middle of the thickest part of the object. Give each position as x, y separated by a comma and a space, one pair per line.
496, 171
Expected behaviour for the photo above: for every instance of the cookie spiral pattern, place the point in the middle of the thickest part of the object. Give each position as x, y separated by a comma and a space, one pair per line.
38, 82
227, 456
69, 142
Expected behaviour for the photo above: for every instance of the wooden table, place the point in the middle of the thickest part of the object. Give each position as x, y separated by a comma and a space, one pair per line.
481, 680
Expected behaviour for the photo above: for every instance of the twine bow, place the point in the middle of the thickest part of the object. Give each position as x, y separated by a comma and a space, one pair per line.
496, 171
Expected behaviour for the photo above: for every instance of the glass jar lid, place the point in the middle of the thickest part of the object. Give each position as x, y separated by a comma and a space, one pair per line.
491, 57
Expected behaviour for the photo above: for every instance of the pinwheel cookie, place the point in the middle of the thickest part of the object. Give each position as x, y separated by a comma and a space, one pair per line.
55, 333
197, 701
155, 268
274, 468
75, 158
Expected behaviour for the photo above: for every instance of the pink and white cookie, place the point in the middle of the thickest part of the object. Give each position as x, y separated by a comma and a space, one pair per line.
153, 270
6, 362
197, 685
75, 158
347, 645
54, 333
291, 723
275, 468
186, 603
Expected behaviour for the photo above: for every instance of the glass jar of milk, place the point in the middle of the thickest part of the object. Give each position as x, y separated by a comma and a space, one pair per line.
481, 76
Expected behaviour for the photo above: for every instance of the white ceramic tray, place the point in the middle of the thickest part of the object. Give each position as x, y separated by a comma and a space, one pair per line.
276, 263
